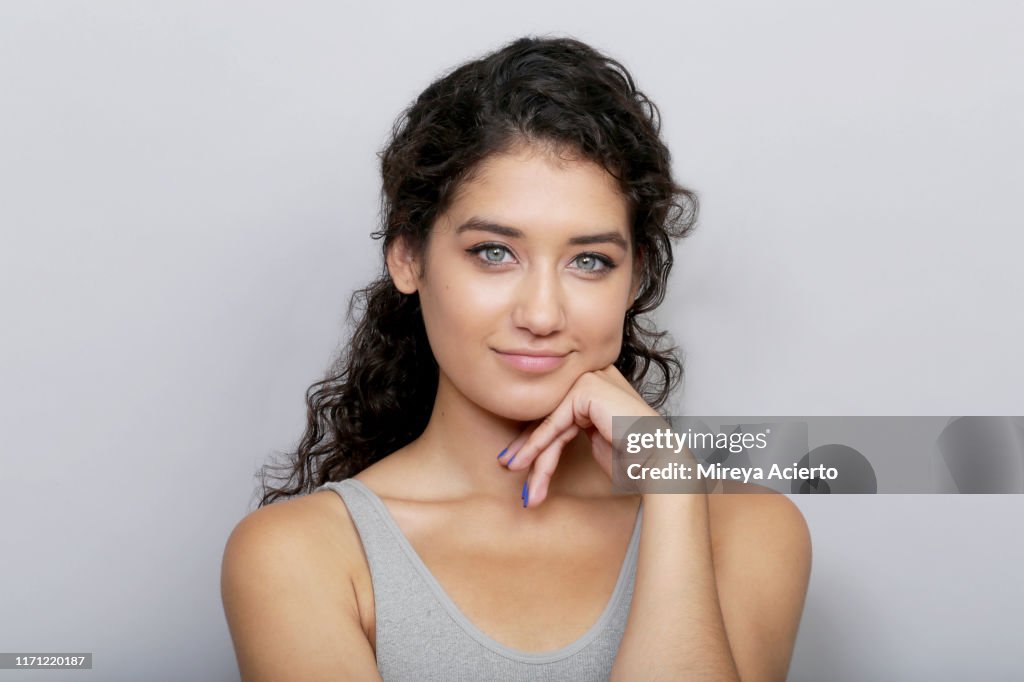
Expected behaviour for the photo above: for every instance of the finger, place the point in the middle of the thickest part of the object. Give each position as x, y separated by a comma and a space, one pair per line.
545, 465
554, 424
506, 456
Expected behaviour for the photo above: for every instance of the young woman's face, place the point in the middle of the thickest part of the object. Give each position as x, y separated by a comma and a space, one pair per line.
528, 278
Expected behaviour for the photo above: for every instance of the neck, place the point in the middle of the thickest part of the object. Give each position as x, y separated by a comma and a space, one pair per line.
456, 455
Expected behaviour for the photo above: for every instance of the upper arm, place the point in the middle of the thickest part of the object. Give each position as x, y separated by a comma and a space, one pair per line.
290, 607
762, 568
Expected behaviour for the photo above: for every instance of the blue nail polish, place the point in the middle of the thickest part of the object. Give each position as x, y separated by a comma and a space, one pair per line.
526, 493
502, 454
511, 459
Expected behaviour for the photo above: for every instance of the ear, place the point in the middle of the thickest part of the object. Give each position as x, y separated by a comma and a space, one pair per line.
402, 266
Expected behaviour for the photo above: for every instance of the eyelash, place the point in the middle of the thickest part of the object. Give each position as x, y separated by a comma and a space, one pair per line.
604, 260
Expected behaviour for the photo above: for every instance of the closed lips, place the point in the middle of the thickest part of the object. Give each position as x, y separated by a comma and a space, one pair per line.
531, 360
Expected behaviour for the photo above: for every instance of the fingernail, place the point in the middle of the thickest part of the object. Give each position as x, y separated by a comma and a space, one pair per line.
502, 454
526, 493
511, 459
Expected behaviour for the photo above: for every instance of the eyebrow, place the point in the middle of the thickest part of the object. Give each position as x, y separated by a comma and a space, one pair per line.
482, 225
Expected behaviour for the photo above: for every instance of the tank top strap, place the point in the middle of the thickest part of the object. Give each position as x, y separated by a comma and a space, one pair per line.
391, 570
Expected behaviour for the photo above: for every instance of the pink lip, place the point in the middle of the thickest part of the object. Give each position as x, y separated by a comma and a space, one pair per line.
533, 363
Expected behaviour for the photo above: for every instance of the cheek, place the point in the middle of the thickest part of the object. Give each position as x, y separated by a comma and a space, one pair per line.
455, 315
609, 316
601, 323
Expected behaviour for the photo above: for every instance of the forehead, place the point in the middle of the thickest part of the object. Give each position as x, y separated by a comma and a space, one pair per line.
540, 192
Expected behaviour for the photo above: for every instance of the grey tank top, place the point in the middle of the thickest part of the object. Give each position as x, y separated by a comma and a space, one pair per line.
422, 635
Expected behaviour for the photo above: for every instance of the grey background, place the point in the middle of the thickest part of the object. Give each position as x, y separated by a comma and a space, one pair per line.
188, 190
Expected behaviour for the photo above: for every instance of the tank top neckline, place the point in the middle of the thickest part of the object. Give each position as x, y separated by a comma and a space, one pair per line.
469, 627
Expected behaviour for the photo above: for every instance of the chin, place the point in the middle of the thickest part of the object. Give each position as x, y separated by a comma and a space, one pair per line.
523, 415
524, 408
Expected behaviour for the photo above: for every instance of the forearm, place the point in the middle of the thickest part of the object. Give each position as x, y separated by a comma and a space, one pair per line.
675, 628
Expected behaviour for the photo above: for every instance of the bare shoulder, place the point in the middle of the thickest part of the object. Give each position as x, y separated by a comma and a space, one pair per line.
749, 517
288, 594
762, 557
313, 529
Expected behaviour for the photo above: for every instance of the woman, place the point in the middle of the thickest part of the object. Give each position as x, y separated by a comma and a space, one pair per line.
451, 511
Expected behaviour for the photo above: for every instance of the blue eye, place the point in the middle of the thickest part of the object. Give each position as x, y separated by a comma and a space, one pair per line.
593, 262
492, 253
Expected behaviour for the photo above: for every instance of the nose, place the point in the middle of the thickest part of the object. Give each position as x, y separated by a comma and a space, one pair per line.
540, 304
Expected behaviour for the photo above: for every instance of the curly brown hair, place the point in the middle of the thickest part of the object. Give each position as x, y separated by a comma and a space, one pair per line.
559, 93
